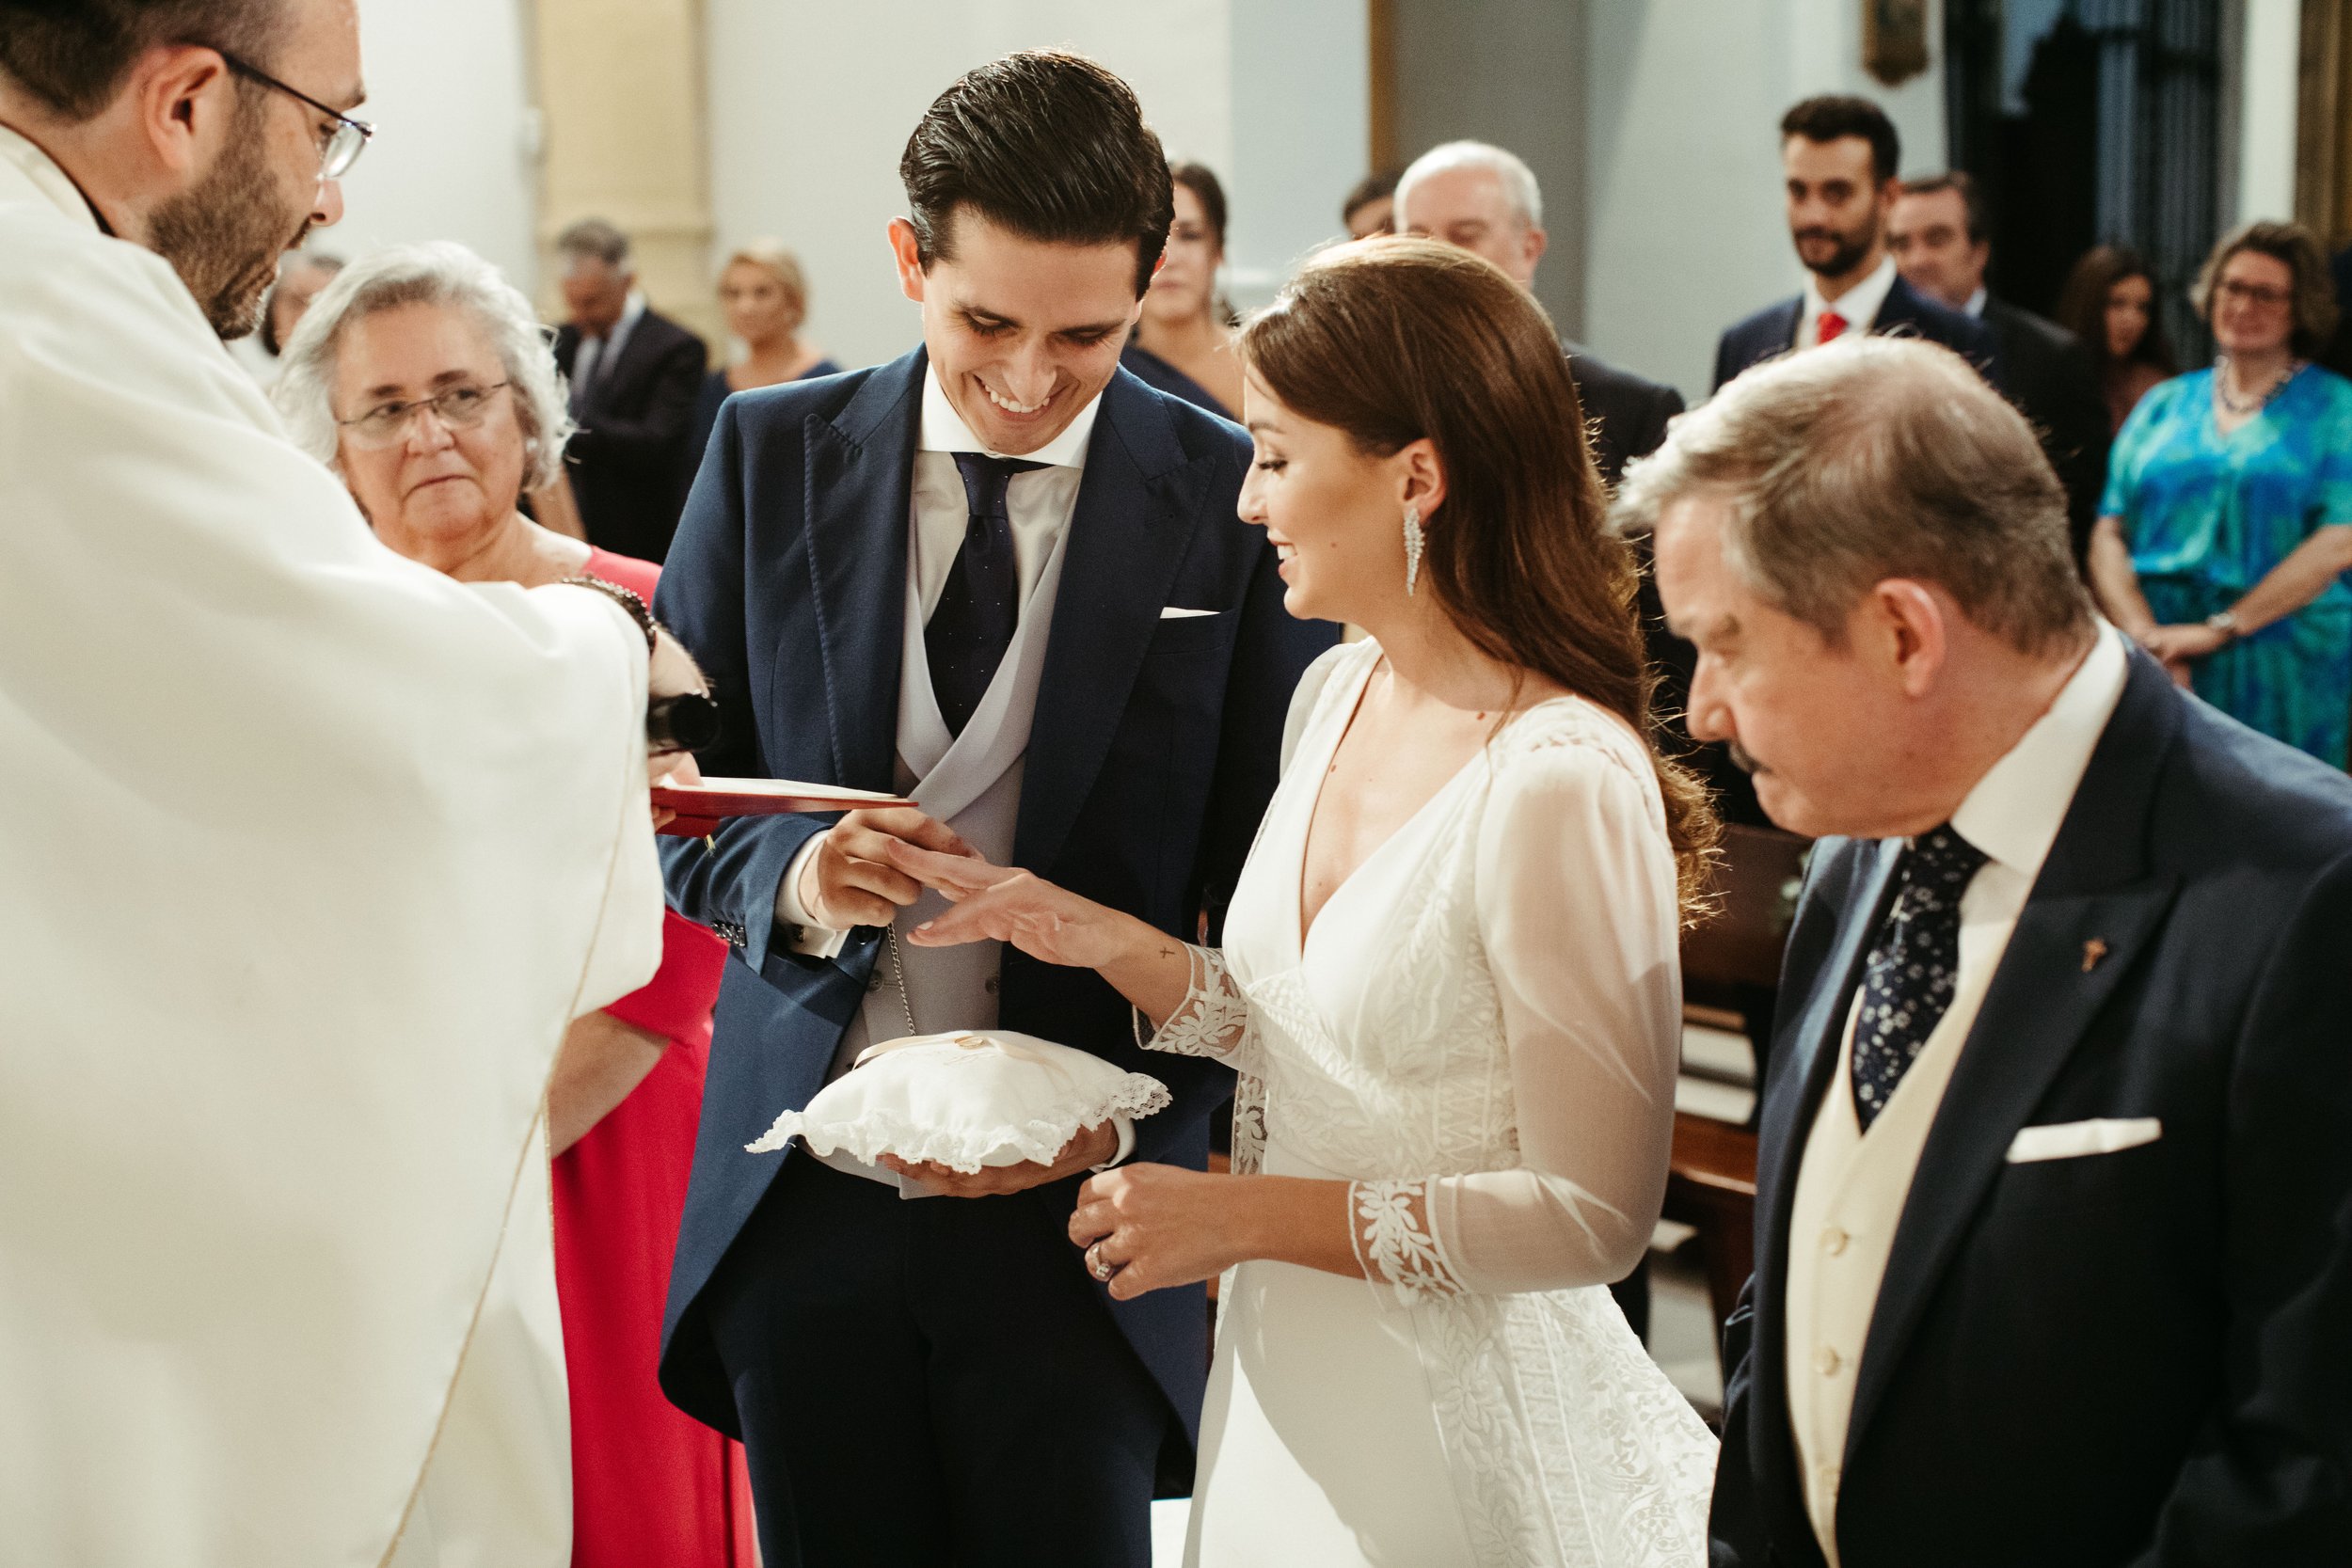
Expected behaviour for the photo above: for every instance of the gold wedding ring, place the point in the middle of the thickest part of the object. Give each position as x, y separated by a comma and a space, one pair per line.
1095, 1265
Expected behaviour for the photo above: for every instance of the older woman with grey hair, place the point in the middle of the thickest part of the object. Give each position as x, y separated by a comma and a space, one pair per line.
424, 379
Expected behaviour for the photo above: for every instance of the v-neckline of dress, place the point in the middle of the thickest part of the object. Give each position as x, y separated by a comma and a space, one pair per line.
1302, 930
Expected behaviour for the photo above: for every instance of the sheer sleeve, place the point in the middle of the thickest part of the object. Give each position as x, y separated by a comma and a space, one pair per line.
1577, 906
1212, 1021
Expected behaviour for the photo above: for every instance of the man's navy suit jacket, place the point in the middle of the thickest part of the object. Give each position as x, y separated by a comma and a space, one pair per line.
1153, 751
1773, 331
2141, 1357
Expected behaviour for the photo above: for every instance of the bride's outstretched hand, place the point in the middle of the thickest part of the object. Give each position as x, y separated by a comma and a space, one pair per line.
994, 903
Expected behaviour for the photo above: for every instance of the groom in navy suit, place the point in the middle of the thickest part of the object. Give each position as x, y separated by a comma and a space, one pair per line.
2052, 1259
1006, 577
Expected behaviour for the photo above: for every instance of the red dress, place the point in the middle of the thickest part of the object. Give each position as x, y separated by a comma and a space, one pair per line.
651, 1487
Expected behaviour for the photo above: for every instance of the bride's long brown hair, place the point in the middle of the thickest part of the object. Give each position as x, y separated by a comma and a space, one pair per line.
1395, 339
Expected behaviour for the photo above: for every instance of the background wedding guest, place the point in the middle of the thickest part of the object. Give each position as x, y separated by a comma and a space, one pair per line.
765, 295
1939, 233
1486, 200
1839, 158
1370, 207
2109, 304
426, 381
2227, 524
301, 274
2051, 1267
1183, 343
373, 838
634, 376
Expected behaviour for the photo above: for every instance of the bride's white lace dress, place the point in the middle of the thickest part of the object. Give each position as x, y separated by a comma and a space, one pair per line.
1481, 1034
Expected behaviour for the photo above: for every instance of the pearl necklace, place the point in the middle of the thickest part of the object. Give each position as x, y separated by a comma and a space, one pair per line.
2247, 410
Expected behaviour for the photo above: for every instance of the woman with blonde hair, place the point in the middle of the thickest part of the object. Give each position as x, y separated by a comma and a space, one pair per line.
1449, 982
765, 295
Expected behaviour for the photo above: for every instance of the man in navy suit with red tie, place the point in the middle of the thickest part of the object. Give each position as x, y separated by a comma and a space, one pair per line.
1839, 159
1005, 577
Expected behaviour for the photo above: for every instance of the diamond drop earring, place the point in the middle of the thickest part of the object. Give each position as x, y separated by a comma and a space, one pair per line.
1412, 547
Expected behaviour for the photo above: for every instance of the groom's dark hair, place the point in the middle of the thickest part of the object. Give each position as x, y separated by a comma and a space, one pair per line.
72, 56
1048, 145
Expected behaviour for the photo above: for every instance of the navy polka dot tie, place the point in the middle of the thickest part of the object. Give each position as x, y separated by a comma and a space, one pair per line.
979, 608
1907, 982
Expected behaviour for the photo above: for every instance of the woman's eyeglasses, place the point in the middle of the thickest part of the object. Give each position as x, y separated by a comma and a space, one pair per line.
342, 146
459, 407
2251, 294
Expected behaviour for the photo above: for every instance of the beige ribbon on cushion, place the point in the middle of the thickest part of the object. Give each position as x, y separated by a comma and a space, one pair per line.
964, 1041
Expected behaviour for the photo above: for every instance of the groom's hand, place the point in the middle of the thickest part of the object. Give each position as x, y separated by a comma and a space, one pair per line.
851, 882
1090, 1147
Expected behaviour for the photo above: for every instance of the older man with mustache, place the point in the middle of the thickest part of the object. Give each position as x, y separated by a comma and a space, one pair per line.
2051, 1260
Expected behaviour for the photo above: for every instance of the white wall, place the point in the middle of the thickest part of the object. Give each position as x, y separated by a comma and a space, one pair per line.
1301, 134
455, 155
2268, 86
811, 105
1684, 229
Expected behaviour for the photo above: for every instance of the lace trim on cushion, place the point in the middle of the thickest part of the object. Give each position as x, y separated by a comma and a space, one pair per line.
1038, 1140
1212, 1021
1393, 1243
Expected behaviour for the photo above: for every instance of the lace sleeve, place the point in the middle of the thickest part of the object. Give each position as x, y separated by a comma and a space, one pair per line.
1578, 911
1212, 1021
1389, 1226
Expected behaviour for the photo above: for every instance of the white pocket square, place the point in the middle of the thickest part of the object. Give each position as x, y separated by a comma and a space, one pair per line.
1172, 614
2067, 1140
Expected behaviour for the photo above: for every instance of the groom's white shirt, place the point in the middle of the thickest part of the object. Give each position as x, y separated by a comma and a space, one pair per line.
1851, 1186
314, 854
971, 782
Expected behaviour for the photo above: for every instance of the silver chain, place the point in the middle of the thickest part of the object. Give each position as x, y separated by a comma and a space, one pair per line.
898, 972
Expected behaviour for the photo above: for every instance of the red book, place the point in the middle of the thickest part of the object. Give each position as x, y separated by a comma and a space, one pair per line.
701, 807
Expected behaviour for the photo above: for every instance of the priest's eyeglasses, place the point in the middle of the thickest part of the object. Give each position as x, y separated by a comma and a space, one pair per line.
458, 408
343, 144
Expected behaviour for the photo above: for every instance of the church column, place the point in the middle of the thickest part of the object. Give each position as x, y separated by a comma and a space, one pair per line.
621, 96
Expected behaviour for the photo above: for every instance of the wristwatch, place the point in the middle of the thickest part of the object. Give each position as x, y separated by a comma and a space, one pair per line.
2224, 622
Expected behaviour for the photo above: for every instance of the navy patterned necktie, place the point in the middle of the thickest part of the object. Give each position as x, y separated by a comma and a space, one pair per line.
979, 610
1907, 982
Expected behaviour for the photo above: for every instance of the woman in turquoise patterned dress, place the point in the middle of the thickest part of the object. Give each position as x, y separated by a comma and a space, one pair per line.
2227, 526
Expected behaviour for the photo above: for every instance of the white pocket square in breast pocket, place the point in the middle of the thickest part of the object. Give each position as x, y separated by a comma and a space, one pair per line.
2069, 1140
1172, 614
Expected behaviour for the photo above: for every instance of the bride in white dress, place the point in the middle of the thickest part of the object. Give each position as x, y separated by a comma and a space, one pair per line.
1448, 980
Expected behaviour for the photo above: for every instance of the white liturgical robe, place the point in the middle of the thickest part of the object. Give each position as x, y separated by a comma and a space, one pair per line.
309, 855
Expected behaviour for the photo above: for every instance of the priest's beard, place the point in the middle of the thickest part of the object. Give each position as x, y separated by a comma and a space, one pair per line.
223, 236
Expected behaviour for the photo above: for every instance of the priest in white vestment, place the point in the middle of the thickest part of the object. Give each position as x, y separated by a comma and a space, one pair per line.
310, 856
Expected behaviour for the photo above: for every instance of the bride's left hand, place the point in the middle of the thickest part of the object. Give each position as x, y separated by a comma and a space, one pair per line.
1158, 1225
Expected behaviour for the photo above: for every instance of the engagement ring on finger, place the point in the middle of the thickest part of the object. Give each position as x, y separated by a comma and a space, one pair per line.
1095, 1265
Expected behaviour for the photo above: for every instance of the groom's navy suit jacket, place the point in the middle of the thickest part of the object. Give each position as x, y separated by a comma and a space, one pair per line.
1153, 751
2141, 1357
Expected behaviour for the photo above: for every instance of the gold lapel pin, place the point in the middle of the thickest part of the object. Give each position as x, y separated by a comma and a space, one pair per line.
2093, 951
